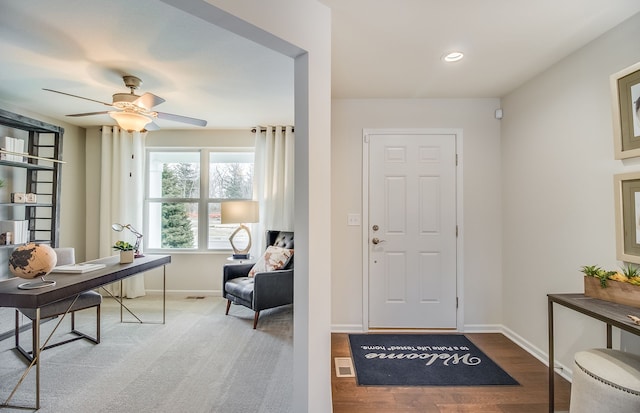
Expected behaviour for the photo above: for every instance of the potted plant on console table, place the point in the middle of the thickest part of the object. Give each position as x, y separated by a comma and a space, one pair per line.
126, 251
622, 286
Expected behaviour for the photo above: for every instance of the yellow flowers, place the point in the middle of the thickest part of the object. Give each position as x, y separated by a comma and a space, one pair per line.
619, 277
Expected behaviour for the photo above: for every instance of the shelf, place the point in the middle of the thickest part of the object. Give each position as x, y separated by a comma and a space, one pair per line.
27, 165
24, 204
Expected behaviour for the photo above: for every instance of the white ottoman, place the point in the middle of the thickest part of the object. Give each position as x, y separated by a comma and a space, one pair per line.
605, 380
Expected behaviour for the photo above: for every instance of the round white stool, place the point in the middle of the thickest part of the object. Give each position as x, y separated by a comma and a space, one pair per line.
605, 380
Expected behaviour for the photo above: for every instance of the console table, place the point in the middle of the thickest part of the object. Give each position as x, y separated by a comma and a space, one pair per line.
70, 285
612, 314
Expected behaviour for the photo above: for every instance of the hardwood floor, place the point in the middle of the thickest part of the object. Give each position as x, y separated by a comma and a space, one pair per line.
530, 397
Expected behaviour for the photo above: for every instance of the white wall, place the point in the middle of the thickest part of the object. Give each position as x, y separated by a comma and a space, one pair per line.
557, 185
481, 191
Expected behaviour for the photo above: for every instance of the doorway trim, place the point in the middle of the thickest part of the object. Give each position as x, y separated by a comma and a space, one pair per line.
365, 216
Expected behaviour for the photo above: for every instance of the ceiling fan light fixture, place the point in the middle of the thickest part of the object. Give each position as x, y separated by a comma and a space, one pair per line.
130, 121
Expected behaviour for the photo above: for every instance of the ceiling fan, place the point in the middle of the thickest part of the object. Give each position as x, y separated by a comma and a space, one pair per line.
134, 112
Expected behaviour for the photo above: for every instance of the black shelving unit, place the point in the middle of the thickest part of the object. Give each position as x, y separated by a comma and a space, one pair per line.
41, 175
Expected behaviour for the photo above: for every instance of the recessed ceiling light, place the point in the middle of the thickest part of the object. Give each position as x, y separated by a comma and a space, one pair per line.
453, 57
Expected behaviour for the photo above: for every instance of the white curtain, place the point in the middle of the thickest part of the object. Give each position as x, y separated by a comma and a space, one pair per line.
121, 197
273, 181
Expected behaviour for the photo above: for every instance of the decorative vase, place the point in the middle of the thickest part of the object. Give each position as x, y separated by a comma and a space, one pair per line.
616, 291
126, 257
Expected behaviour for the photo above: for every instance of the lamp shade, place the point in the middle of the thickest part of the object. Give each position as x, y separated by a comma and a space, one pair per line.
238, 212
130, 121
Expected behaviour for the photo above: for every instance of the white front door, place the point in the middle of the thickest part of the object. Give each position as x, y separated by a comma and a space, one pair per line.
412, 231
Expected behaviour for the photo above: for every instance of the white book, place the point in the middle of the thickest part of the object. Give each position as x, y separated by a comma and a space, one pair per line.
78, 268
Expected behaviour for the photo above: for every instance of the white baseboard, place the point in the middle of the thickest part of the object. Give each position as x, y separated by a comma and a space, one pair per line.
347, 328
187, 293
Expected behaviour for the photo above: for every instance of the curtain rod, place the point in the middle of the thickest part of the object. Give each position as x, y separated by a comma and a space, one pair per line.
284, 128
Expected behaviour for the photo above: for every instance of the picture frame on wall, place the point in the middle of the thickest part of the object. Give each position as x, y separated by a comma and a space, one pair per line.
627, 212
625, 97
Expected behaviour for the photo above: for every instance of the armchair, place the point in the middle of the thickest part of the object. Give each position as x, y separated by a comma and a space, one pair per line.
265, 289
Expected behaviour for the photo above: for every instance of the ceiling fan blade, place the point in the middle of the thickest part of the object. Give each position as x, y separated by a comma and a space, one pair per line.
76, 96
76, 115
152, 126
148, 100
183, 119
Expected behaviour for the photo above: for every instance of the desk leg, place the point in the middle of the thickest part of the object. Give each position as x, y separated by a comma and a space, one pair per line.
609, 341
35, 347
551, 358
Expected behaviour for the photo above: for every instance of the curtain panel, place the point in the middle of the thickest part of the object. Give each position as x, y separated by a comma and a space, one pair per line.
273, 181
121, 196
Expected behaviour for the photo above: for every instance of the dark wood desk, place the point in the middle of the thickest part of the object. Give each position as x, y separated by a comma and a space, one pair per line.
68, 286
612, 314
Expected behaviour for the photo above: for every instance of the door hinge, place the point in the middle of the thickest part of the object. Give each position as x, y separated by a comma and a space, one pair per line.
456, 159
456, 302
456, 231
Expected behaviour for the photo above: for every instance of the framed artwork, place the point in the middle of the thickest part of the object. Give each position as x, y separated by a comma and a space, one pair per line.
627, 200
625, 96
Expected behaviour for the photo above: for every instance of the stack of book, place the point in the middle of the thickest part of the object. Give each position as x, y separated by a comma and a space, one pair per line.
12, 145
14, 232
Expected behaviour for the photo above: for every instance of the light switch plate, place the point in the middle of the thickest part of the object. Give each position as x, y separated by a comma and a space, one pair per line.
353, 219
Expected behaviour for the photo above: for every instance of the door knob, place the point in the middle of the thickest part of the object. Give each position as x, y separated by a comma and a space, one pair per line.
376, 241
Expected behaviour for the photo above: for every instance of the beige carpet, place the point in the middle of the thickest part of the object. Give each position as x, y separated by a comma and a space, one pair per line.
199, 361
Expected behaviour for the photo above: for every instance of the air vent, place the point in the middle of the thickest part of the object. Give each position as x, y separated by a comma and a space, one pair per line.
344, 367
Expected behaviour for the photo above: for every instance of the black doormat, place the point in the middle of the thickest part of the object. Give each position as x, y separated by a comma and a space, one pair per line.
423, 360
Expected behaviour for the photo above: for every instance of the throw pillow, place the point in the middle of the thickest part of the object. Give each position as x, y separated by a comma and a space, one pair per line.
274, 258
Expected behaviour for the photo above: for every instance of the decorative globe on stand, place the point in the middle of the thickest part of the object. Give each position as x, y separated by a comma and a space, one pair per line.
31, 261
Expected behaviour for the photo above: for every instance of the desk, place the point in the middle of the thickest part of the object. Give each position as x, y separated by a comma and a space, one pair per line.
614, 315
69, 285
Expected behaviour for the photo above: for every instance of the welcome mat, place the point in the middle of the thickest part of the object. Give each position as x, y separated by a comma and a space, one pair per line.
423, 360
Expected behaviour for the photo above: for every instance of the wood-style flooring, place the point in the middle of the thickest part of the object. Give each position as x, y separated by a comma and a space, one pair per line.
529, 397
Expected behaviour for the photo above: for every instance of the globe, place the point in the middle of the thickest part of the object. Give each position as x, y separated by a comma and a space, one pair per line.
32, 260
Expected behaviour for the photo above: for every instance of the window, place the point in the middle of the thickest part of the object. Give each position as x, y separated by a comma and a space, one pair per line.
184, 192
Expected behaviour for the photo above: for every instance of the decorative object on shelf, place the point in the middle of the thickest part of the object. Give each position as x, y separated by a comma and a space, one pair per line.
627, 197
18, 197
625, 97
30, 198
126, 251
622, 287
33, 260
239, 212
136, 248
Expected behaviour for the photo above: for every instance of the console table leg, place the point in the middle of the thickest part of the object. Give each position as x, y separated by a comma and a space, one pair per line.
609, 335
551, 358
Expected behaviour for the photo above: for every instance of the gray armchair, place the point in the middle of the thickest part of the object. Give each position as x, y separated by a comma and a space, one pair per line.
265, 289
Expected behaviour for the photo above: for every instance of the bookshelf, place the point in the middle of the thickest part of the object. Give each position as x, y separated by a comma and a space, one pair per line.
36, 171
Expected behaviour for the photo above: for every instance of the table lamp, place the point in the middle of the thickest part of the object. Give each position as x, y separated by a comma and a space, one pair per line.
239, 212
136, 247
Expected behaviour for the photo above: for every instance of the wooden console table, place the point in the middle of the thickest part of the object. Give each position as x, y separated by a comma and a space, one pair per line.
70, 285
612, 314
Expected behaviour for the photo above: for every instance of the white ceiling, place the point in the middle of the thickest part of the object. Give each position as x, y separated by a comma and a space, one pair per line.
381, 49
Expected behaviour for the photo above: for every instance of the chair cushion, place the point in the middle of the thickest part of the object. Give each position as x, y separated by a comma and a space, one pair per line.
241, 287
274, 258
85, 300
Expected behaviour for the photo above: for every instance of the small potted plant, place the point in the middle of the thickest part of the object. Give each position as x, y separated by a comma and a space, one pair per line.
126, 251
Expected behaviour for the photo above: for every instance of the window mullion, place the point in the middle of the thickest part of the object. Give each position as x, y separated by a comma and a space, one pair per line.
203, 205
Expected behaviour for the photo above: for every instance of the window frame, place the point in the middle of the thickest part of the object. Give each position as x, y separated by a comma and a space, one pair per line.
203, 201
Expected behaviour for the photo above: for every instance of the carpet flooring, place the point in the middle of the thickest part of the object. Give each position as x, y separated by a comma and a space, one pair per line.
199, 361
423, 360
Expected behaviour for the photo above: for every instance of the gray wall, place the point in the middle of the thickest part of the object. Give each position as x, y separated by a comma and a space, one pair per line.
557, 183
